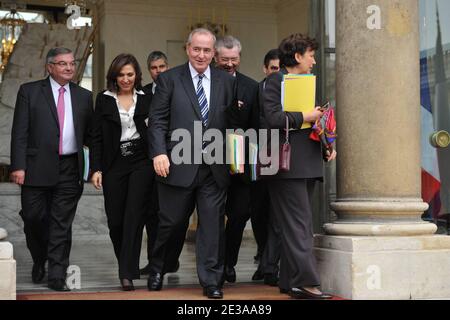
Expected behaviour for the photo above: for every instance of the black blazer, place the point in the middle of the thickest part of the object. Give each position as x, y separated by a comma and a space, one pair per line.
148, 89
175, 106
35, 131
107, 129
306, 154
247, 93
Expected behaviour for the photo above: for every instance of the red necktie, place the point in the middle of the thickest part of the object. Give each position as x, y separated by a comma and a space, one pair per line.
61, 109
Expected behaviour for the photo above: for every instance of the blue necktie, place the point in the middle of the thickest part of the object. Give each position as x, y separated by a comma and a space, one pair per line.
203, 102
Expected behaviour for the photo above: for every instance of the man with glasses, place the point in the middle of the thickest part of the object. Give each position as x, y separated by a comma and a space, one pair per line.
228, 58
51, 120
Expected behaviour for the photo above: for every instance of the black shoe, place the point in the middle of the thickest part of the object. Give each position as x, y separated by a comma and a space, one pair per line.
284, 291
258, 275
213, 293
127, 285
58, 285
229, 274
173, 269
271, 280
145, 270
301, 293
38, 272
155, 282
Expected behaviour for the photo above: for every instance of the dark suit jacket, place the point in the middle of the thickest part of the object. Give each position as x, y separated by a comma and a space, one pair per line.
107, 129
247, 92
175, 106
35, 131
148, 89
306, 154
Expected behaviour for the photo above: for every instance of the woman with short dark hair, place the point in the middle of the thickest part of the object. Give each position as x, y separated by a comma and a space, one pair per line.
291, 191
120, 161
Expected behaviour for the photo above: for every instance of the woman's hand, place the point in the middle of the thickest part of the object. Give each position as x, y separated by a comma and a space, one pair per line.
97, 180
331, 156
313, 116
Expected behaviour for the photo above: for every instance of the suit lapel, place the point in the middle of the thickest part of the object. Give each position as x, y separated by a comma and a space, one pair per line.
111, 109
186, 79
48, 93
75, 109
216, 88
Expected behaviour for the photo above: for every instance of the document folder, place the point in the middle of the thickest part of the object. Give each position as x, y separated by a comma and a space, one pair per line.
298, 94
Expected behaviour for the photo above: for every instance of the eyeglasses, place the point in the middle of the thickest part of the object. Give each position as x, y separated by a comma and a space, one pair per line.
228, 60
64, 64
274, 68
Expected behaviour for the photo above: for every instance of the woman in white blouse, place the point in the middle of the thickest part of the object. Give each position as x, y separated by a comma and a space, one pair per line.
120, 161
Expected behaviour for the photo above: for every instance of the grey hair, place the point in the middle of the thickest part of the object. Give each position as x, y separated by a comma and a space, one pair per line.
156, 55
228, 42
52, 53
200, 31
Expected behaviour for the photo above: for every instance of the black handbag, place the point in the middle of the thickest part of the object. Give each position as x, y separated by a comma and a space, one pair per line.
285, 151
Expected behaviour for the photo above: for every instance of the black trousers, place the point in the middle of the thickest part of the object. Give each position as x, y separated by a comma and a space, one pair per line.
238, 213
260, 204
48, 213
270, 259
291, 202
127, 187
176, 206
151, 225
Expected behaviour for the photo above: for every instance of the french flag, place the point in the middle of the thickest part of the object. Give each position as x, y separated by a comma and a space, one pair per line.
431, 181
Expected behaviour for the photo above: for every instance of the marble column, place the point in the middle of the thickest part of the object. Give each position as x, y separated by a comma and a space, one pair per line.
378, 112
379, 247
7, 269
3, 234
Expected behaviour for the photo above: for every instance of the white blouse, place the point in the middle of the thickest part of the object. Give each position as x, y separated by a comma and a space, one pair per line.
129, 130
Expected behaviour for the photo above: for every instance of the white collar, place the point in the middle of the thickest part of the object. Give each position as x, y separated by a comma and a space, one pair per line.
55, 84
195, 73
114, 94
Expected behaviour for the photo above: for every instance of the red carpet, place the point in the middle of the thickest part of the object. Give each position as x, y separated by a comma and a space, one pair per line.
231, 292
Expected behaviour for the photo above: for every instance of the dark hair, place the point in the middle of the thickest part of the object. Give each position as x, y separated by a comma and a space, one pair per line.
156, 55
295, 43
273, 54
118, 63
53, 52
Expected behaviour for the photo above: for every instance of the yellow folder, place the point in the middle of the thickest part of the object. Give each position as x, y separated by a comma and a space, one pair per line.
299, 94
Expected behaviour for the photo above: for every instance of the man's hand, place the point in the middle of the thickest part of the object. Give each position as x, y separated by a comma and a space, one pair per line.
161, 164
18, 177
97, 179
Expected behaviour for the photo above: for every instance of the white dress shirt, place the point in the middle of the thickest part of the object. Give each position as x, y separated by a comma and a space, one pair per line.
153, 87
69, 145
129, 130
206, 82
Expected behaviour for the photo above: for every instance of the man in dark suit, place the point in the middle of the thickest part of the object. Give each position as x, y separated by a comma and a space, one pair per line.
157, 63
228, 58
51, 121
264, 224
192, 97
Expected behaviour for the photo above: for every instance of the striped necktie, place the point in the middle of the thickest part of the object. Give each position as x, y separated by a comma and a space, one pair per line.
203, 102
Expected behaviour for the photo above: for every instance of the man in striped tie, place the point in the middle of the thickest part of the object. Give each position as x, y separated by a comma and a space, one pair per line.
190, 96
